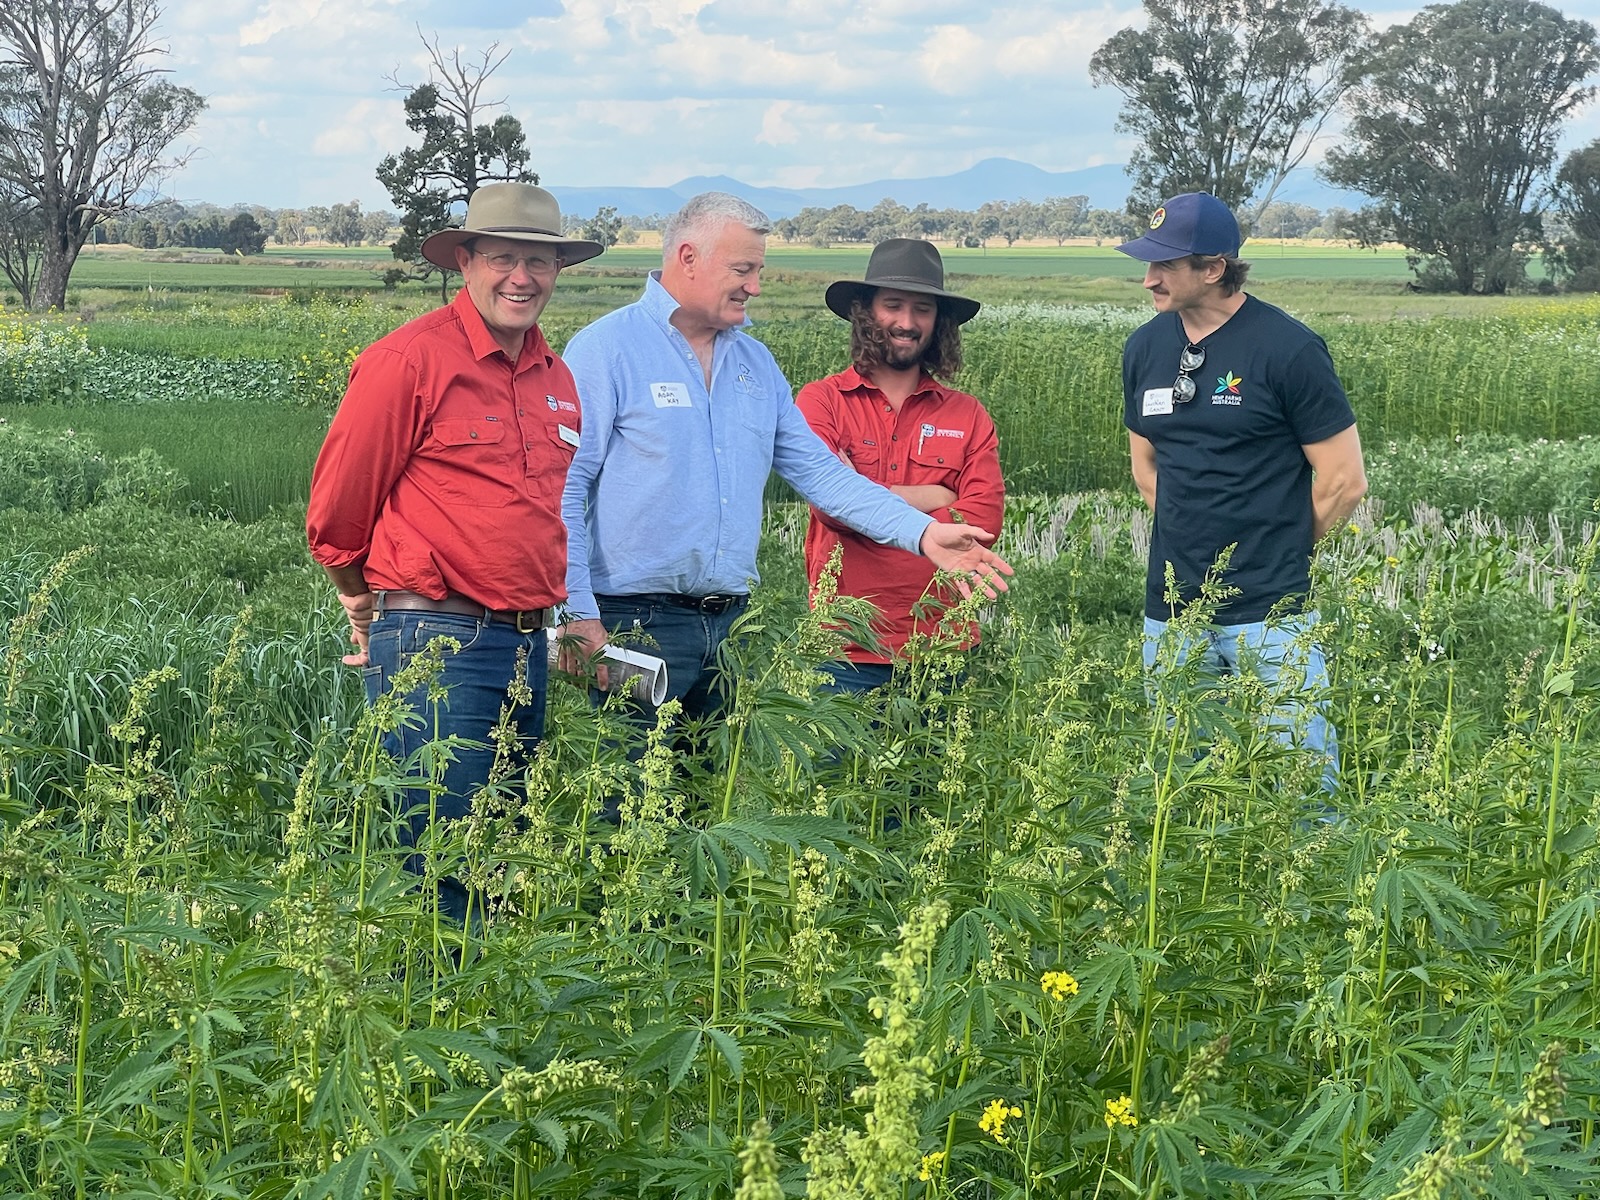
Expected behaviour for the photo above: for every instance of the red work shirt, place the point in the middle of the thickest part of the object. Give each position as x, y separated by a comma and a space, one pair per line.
443, 468
939, 436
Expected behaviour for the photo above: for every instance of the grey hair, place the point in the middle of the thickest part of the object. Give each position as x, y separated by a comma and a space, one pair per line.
703, 217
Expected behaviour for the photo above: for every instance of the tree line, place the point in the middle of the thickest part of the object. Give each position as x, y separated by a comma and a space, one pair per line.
246, 229
1451, 123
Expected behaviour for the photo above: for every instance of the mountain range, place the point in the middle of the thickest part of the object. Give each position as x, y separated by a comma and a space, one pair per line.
992, 179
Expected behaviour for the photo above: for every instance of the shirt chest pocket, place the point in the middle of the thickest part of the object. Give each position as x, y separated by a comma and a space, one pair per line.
936, 460
550, 452
469, 461
866, 458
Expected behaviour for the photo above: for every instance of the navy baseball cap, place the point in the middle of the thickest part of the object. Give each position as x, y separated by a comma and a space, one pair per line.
1193, 223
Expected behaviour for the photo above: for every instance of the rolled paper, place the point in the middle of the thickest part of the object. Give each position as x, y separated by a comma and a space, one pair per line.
644, 675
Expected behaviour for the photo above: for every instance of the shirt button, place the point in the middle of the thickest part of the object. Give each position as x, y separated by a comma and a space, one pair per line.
894, 437
474, 433
529, 446
894, 466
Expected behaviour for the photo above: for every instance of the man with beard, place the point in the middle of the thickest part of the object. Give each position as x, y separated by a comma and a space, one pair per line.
889, 417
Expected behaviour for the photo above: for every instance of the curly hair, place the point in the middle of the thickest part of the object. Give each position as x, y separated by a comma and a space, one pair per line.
869, 346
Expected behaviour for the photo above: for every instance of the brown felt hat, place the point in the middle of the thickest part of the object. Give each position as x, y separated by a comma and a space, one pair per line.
908, 265
518, 211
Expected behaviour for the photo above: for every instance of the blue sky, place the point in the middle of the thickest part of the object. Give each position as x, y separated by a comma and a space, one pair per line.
647, 92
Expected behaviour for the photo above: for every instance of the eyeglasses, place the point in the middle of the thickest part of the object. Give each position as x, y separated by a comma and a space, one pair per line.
504, 264
1192, 359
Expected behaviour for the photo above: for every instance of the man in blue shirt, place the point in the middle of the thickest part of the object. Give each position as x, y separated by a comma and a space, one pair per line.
684, 416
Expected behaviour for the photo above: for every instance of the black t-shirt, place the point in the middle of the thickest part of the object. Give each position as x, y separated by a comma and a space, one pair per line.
1229, 463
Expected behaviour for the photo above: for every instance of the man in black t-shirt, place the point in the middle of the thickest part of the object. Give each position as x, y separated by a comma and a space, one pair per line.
1235, 408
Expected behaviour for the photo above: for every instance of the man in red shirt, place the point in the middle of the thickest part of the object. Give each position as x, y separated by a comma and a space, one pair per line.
890, 418
436, 500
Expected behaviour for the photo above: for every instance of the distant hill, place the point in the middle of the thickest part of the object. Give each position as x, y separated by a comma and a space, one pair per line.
992, 179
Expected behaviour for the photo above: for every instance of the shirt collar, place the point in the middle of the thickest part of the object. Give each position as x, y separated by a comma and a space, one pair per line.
483, 343
851, 380
660, 304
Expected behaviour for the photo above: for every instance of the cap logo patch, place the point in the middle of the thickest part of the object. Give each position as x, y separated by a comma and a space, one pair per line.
1157, 217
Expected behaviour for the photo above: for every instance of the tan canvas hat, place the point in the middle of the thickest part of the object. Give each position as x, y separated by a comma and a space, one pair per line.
518, 211
908, 265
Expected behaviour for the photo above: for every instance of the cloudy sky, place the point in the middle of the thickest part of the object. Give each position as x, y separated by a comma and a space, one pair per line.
648, 92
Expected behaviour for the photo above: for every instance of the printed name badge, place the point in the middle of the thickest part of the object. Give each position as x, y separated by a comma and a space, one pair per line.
670, 395
1158, 402
569, 436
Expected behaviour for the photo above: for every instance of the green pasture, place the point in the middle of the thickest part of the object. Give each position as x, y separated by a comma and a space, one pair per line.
1048, 372
1314, 281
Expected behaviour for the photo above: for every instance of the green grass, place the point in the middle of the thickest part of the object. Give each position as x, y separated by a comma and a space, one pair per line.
216, 979
219, 980
238, 459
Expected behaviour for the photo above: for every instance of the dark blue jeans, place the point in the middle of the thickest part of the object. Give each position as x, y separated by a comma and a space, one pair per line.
853, 678
476, 678
686, 638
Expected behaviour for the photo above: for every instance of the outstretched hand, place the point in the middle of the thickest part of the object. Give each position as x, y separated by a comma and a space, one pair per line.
963, 550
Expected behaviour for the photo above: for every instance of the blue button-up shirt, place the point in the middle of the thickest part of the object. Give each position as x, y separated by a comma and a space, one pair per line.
665, 492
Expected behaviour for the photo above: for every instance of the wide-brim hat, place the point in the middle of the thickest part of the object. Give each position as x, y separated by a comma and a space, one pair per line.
1191, 223
907, 265
518, 211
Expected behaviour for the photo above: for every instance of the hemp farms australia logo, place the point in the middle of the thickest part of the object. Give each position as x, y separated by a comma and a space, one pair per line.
1228, 390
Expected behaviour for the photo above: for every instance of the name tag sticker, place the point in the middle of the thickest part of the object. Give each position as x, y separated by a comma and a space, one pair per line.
568, 435
1158, 402
670, 395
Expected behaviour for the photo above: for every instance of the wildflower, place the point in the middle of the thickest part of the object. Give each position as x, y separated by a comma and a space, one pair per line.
1120, 1112
995, 1115
1392, 561
1353, 527
1058, 985
931, 1164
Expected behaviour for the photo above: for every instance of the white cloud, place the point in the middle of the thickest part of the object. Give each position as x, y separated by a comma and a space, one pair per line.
647, 92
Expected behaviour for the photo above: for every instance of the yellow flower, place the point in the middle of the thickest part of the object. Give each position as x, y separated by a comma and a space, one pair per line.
931, 1163
1120, 1112
1058, 985
995, 1115
1392, 561
1353, 527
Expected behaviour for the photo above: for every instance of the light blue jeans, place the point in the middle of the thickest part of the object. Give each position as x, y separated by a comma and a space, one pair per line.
1268, 650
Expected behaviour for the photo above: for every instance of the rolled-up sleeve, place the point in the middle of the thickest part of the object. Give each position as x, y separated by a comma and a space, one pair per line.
369, 442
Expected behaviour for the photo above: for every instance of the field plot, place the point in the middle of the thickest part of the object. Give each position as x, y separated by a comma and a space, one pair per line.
1034, 934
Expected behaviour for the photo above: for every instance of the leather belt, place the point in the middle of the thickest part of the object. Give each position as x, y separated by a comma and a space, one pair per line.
714, 604
528, 620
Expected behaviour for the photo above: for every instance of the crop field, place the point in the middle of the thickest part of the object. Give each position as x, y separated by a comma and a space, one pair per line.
361, 268
1036, 932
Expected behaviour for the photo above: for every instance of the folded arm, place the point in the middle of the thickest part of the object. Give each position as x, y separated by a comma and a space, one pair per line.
1340, 479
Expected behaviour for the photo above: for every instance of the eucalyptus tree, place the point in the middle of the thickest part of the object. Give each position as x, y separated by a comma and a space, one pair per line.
1227, 96
462, 148
1454, 125
1575, 253
86, 125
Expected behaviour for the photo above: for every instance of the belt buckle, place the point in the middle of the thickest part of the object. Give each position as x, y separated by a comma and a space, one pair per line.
716, 604
537, 617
